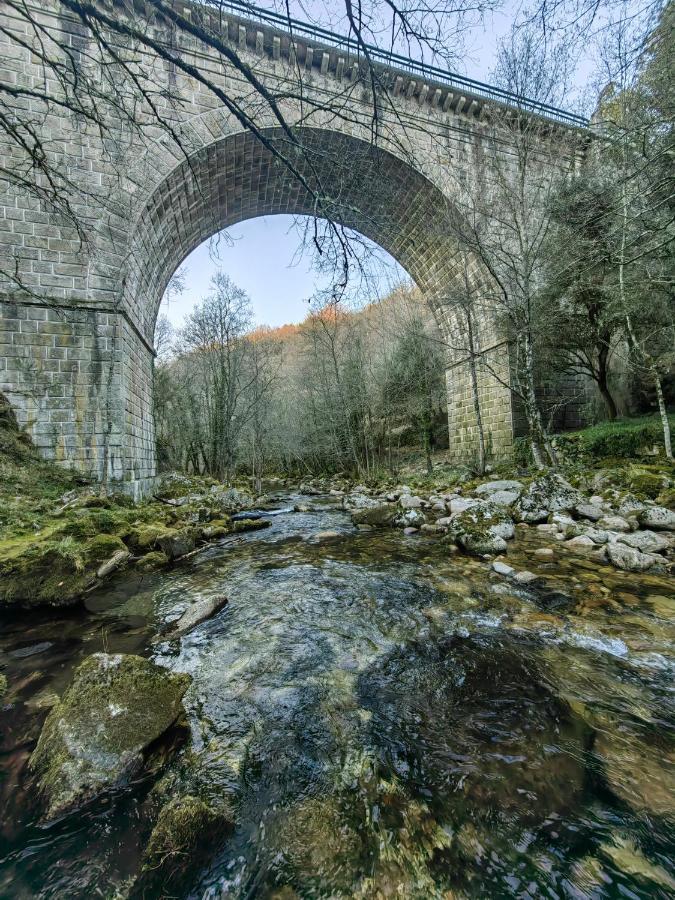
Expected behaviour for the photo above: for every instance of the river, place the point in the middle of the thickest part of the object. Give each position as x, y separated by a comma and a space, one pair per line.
388, 719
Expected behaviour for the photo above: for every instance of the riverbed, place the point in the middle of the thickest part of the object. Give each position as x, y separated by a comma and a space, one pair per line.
387, 719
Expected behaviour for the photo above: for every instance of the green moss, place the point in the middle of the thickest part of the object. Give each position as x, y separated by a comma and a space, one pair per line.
143, 538
3, 685
184, 837
151, 561
93, 737
50, 572
622, 439
250, 524
646, 484
102, 547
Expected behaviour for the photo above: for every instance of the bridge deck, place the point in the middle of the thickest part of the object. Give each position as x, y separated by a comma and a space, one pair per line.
316, 46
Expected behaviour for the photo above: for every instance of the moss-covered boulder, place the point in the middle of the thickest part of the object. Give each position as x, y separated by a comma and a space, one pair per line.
177, 542
550, 493
482, 529
94, 738
144, 537
646, 484
187, 832
50, 572
152, 561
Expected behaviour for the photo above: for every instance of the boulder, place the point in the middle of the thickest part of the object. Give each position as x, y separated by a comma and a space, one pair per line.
631, 560
550, 493
410, 501
501, 568
381, 515
657, 517
581, 542
489, 488
411, 518
614, 523
589, 511
459, 504
482, 529
359, 501
178, 542
94, 737
504, 498
646, 541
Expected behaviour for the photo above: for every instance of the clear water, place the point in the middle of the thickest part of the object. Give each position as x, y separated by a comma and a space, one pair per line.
387, 719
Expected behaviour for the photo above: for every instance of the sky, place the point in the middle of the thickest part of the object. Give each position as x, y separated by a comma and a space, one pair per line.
260, 255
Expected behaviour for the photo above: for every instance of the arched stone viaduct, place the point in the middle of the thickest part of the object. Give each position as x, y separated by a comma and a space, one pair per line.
76, 358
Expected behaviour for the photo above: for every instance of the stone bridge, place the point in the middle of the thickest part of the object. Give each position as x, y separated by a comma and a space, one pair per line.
390, 156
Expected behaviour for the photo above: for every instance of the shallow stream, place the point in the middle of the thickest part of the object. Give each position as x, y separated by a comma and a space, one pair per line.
387, 719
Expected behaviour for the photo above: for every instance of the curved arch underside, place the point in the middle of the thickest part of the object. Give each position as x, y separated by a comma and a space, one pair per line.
238, 178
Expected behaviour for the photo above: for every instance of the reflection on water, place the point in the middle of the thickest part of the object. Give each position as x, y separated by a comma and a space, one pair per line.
387, 719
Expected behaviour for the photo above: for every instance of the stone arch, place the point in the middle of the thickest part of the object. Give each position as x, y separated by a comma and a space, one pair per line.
367, 189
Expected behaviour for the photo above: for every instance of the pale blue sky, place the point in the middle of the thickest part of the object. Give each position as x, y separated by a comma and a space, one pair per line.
261, 255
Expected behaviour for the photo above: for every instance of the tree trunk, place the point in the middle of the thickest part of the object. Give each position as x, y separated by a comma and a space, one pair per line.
603, 386
663, 412
476, 397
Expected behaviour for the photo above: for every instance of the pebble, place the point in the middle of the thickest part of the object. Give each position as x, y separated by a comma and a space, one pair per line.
501, 568
544, 552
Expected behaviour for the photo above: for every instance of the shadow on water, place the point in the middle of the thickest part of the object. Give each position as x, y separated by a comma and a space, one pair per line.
388, 720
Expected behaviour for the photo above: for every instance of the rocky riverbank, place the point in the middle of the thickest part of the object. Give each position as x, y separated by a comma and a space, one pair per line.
623, 518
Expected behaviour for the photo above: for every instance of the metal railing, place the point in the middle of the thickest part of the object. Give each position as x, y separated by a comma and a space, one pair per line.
398, 63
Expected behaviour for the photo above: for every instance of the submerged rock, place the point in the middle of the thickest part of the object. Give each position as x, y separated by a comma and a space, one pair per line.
186, 834
93, 739
639, 772
317, 842
478, 724
196, 614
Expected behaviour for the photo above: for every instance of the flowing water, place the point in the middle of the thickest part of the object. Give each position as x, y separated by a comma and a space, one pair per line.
387, 719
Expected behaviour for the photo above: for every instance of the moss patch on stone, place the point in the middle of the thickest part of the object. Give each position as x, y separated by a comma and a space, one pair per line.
93, 738
187, 831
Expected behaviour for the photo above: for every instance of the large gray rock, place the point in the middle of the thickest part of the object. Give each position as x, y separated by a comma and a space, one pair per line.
631, 560
550, 493
459, 504
410, 501
589, 511
646, 541
657, 517
379, 516
94, 737
359, 501
504, 498
614, 523
492, 487
411, 518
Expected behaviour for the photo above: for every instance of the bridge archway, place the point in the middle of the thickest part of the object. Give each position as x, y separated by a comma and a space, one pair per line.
369, 190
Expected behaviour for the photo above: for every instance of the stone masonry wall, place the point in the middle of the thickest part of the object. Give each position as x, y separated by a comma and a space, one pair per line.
79, 313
